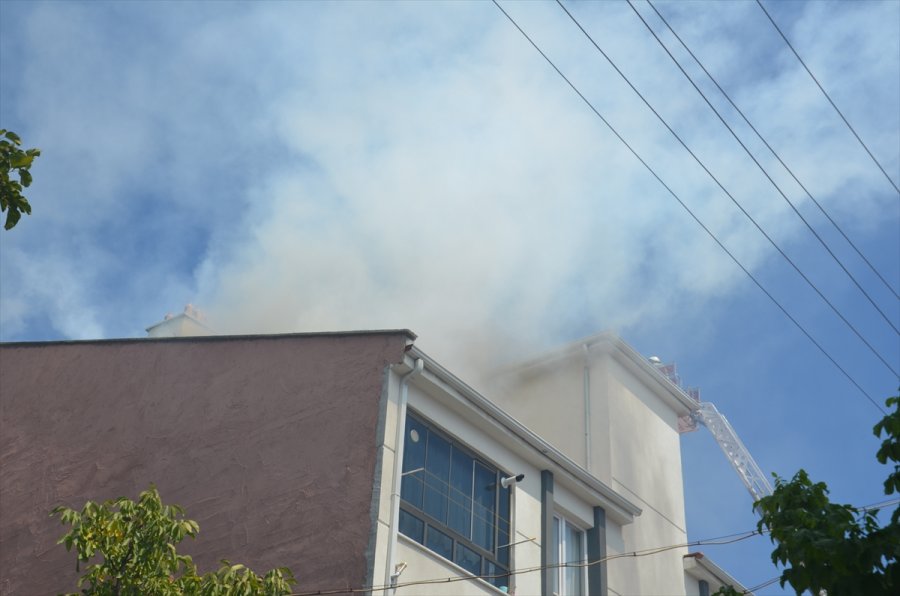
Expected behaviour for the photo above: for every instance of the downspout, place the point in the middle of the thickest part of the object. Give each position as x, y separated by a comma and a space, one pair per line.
390, 576
587, 409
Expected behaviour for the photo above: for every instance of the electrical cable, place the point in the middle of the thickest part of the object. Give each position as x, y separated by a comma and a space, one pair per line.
690, 212
730, 196
828, 97
765, 584
763, 170
468, 577
774, 153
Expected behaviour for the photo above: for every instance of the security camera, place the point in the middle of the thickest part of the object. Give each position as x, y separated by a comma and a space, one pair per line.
510, 480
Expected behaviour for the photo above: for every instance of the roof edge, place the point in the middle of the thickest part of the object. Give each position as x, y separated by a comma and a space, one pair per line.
610, 342
209, 338
699, 566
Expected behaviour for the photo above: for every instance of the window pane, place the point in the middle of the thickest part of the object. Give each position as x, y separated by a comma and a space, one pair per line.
468, 559
437, 477
485, 492
503, 533
439, 543
496, 575
460, 506
554, 556
412, 526
574, 553
411, 488
454, 504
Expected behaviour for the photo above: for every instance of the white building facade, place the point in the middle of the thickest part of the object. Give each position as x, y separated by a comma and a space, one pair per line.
558, 484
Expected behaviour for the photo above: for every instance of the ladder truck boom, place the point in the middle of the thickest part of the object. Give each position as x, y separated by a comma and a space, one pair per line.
735, 451
733, 448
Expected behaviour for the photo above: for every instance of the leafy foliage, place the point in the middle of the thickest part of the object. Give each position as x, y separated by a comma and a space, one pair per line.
130, 550
890, 449
831, 547
14, 159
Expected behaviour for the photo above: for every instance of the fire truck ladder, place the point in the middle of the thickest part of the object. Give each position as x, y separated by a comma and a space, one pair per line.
733, 448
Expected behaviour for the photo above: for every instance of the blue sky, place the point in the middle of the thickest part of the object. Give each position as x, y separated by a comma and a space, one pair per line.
315, 166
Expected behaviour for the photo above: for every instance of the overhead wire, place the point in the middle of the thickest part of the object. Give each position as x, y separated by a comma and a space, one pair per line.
516, 572
709, 232
737, 203
828, 97
765, 584
763, 170
775, 153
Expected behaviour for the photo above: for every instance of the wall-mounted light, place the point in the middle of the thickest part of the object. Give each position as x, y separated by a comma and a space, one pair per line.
398, 569
510, 480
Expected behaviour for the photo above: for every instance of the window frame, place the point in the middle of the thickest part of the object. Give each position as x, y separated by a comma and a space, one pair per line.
490, 561
559, 545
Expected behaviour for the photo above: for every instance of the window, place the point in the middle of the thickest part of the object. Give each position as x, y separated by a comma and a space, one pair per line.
452, 503
568, 548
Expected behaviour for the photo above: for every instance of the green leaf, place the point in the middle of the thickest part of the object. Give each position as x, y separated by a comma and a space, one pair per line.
12, 218
21, 160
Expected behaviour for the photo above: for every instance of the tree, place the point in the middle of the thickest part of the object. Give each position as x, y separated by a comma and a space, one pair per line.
839, 549
14, 159
133, 543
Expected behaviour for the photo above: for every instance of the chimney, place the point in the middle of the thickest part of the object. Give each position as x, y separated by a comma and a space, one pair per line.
191, 322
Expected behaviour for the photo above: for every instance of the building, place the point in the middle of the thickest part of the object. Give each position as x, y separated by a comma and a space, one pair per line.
285, 449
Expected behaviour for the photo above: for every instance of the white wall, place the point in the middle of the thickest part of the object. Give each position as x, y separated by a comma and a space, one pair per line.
635, 449
646, 467
556, 390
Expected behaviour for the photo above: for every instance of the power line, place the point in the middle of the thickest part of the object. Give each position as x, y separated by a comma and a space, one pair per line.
689, 211
777, 156
730, 196
828, 97
716, 541
514, 572
765, 584
762, 169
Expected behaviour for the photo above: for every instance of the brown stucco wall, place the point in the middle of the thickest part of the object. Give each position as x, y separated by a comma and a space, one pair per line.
268, 442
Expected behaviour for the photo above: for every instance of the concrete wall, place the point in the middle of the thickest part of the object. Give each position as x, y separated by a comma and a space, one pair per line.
634, 447
556, 389
266, 441
646, 467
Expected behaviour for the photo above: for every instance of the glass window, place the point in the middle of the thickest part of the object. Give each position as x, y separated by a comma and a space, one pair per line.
468, 559
460, 517
439, 543
485, 495
437, 477
412, 527
452, 502
568, 551
412, 487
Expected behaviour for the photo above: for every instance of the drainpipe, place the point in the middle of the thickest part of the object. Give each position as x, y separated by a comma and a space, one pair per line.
390, 576
587, 408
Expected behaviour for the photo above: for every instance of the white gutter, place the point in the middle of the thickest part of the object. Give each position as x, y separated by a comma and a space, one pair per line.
390, 576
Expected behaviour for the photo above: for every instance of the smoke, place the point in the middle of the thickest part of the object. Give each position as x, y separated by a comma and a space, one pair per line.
455, 186
310, 167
